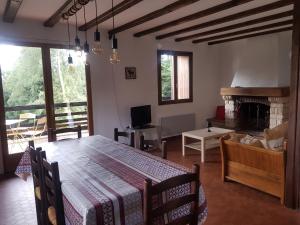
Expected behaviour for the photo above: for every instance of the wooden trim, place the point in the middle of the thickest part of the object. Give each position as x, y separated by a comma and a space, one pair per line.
153, 15
175, 54
89, 99
256, 91
251, 35
11, 9
48, 88
3, 134
194, 16
292, 193
250, 12
121, 7
246, 31
54, 19
238, 25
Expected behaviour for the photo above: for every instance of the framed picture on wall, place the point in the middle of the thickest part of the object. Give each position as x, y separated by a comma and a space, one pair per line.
130, 73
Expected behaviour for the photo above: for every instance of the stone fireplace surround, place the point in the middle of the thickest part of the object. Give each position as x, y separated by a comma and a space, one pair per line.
276, 98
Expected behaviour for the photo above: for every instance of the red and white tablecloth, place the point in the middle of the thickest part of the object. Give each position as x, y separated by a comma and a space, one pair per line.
102, 180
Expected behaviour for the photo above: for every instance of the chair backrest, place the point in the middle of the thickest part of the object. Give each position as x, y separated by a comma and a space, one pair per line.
54, 132
150, 213
52, 187
129, 135
41, 124
36, 170
163, 145
27, 116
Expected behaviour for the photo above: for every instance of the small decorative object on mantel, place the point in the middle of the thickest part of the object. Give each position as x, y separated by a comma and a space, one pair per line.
130, 73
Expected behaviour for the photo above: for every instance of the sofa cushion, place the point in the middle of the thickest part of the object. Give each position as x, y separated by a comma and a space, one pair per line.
252, 141
235, 137
275, 144
277, 132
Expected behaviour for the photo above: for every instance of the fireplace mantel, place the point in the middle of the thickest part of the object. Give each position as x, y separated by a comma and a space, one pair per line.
256, 91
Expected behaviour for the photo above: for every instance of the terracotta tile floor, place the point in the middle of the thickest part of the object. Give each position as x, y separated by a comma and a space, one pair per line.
229, 203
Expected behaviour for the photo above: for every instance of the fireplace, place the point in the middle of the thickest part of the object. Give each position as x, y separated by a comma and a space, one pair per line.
254, 115
254, 109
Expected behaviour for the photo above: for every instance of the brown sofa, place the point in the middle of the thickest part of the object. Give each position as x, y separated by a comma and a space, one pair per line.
256, 167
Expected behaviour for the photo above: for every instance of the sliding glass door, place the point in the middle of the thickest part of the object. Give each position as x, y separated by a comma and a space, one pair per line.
69, 92
39, 90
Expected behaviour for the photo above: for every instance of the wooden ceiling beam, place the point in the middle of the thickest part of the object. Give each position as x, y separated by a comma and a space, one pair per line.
238, 25
250, 12
11, 10
206, 12
246, 31
54, 19
251, 35
153, 15
121, 7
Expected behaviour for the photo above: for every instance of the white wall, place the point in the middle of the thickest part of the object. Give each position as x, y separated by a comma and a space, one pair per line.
141, 53
112, 94
262, 61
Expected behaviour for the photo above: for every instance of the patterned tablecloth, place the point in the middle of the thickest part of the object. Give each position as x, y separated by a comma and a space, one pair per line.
102, 180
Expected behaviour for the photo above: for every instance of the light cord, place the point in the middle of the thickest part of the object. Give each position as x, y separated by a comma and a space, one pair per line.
96, 6
69, 34
112, 9
76, 20
85, 32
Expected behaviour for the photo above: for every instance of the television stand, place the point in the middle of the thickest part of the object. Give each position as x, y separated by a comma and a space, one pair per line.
147, 126
152, 131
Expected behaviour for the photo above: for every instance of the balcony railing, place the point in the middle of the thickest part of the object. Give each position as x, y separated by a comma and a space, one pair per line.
66, 115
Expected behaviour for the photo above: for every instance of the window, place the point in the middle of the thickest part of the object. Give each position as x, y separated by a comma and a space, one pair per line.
175, 77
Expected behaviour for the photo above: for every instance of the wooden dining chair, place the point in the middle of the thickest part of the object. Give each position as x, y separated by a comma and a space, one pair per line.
128, 135
39, 129
151, 213
154, 144
36, 170
53, 194
54, 132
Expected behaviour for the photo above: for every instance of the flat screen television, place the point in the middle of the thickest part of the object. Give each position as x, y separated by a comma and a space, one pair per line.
140, 116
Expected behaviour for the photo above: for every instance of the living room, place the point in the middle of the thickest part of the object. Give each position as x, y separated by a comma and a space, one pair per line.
257, 61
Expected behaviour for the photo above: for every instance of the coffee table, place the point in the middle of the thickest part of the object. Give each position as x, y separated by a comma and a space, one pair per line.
203, 139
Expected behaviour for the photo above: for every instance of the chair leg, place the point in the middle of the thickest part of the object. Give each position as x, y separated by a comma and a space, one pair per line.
116, 137
132, 144
142, 144
164, 149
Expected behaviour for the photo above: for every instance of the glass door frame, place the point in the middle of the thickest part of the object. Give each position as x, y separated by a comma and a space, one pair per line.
11, 160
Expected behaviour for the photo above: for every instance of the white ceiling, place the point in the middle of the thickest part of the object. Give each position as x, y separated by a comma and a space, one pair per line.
42, 9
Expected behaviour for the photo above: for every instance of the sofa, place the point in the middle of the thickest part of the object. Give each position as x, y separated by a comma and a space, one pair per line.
254, 166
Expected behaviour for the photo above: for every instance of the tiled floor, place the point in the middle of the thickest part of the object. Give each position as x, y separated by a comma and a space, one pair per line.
228, 203
17, 202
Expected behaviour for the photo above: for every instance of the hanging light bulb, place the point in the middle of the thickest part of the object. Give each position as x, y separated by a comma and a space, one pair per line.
114, 58
77, 40
77, 43
70, 59
86, 46
96, 48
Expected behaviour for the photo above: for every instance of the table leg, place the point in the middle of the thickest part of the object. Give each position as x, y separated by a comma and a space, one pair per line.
183, 145
202, 150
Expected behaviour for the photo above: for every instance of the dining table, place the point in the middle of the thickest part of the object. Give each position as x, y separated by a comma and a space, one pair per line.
102, 180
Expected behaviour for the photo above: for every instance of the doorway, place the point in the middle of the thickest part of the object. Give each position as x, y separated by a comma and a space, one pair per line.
40, 90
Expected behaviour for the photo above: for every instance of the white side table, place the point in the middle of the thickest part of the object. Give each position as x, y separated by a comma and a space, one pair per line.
205, 140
